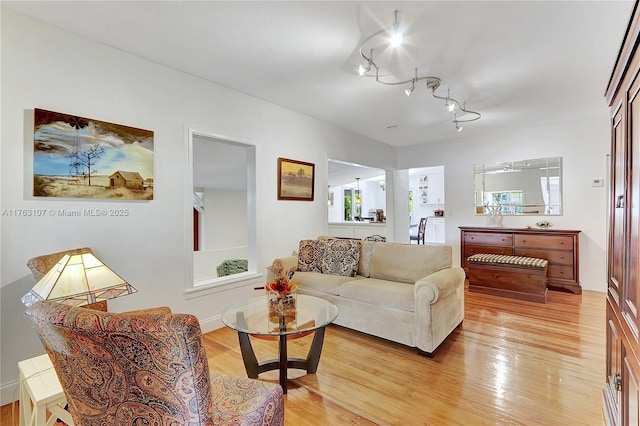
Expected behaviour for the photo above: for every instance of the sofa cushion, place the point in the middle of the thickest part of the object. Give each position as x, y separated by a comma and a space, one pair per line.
341, 257
364, 263
310, 254
408, 263
384, 293
322, 283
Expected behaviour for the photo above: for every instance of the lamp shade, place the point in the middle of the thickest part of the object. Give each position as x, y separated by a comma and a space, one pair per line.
78, 279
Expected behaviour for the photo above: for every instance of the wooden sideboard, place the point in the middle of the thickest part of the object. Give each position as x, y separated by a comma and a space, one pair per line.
559, 247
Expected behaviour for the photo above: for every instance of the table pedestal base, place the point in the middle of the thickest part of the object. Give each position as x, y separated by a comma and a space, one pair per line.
283, 363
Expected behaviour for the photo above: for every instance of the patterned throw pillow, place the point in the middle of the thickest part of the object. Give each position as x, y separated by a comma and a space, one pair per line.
310, 253
341, 257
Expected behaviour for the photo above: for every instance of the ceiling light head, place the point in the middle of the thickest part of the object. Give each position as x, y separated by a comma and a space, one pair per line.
396, 34
396, 39
450, 103
410, 90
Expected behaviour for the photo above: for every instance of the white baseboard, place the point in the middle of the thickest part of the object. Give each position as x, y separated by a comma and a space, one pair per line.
9, 392
211, 323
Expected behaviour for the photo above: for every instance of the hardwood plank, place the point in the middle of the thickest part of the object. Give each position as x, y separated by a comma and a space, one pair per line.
512, 362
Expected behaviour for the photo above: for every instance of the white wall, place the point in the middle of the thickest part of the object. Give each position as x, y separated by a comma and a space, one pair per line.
583, 146
44, 67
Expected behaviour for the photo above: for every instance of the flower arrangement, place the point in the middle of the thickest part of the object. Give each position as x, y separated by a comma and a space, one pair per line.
281, 285
278, 269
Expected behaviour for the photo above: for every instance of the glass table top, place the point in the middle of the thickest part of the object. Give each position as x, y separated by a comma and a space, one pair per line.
252, 316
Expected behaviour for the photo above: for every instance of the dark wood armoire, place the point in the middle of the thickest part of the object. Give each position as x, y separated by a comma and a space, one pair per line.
621, 395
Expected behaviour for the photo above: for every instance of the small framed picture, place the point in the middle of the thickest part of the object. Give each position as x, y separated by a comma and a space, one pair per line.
295, 180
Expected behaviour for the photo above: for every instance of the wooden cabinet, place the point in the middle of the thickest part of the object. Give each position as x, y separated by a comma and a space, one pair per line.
621, 394
434, 232
559, 247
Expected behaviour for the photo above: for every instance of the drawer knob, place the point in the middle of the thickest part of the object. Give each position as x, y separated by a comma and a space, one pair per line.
524, 241
561, 257
561, 242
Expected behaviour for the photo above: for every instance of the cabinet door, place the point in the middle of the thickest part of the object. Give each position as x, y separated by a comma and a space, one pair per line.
612, 391
440, 230
631, 286
431, 233
436, 188
617, 209
631, 406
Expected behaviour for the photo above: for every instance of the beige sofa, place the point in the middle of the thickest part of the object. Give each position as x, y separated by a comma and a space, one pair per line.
410, 294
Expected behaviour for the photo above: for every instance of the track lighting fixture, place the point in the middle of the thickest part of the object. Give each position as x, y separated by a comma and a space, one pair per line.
370, 68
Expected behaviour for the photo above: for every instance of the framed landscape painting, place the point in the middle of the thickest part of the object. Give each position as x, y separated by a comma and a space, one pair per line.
295, 180
77, 157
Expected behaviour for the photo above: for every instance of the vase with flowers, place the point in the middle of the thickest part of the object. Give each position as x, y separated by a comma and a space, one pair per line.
282, 300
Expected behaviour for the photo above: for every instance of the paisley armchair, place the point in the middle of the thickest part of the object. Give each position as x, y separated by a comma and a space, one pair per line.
146, 367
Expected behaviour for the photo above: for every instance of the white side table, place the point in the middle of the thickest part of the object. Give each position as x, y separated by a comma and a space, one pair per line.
40, 391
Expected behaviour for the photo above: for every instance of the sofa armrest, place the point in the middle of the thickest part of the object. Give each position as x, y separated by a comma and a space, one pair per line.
439, 285
282, 266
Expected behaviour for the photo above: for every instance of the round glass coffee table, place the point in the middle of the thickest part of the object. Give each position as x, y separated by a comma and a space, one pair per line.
251, 318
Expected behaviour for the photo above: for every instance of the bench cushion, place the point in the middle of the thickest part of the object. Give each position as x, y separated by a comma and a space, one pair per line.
531, 262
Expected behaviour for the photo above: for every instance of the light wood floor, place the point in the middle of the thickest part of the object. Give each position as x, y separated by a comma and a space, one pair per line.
511, 363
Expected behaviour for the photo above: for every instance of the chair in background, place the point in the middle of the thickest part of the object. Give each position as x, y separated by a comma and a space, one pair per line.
146, 367
422, 226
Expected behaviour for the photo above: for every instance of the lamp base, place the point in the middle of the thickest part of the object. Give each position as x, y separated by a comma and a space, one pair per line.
98, 306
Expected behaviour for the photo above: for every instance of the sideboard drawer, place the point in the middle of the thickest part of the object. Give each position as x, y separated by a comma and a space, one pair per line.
544, 241
553, 256
560, 271
470, 250
488, 239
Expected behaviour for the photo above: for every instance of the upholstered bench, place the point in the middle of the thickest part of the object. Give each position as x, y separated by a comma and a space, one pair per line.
517, 277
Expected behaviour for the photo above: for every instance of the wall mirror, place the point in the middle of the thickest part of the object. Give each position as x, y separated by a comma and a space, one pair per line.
221, 208
527, 187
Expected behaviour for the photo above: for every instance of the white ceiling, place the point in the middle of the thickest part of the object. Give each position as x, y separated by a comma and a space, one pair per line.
518, 63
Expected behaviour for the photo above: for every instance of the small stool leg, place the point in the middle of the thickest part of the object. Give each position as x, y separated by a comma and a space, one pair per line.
40, 415
25, 404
